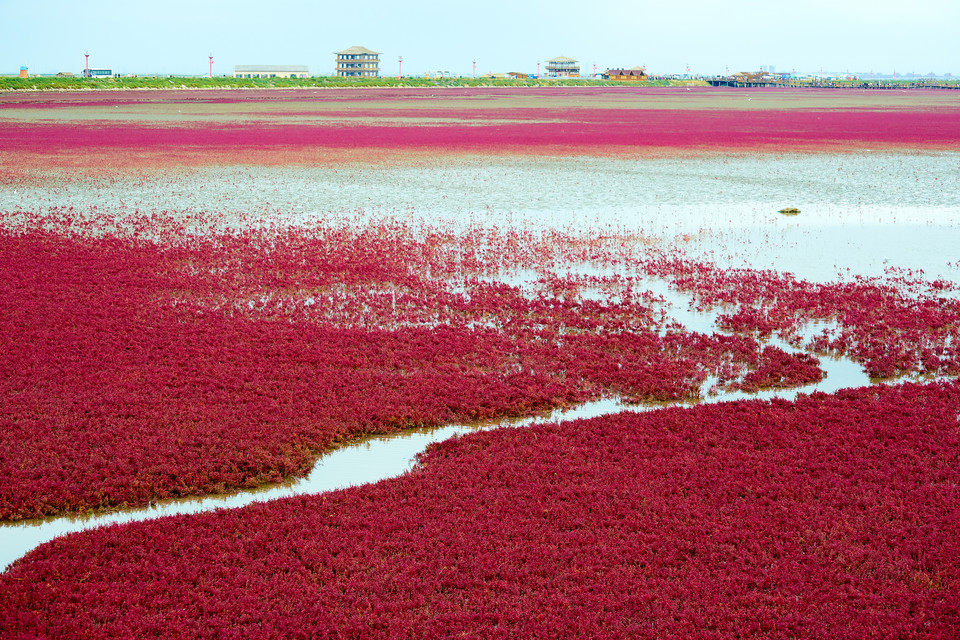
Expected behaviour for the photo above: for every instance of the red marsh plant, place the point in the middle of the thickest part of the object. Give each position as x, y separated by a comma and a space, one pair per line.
834, 516
153, 361
454, 130
896, 325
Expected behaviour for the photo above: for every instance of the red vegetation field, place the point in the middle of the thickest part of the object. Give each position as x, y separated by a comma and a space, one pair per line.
136, 369
308, 126
831, 517
572, 132
146, 356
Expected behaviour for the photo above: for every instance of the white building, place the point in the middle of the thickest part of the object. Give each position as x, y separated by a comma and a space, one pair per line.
270, 71
563, 67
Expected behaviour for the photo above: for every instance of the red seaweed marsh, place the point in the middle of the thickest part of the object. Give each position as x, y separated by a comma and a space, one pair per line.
211, 293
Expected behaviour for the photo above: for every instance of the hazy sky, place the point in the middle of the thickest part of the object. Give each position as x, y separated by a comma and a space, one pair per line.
709, 36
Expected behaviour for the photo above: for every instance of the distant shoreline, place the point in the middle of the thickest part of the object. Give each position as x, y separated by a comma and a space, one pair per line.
79, 84
149, 82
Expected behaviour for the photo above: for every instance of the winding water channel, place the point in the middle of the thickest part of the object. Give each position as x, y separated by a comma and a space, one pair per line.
381, 457
370, 460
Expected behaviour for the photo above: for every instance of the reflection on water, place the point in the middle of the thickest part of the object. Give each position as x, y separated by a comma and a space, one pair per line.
679, 194
861, 211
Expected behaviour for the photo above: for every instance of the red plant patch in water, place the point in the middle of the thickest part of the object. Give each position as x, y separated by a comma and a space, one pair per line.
829, 517
781, 370
893, 326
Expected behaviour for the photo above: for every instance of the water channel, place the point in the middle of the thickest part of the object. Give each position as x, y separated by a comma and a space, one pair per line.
370, 460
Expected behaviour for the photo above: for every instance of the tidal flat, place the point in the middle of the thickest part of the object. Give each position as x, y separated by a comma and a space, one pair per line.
207, 295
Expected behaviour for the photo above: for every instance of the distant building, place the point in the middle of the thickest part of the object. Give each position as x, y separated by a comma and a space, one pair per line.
358, 62
636, 74
97, 73
563, 67
23, 72
270, 71
747, 79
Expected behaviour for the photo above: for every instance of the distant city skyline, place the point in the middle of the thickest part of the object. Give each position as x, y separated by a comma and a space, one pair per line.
698, 37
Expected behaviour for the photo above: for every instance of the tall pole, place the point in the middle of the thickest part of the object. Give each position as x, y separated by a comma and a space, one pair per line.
474, 69
399, 67
211, 65
538, 68
86, 68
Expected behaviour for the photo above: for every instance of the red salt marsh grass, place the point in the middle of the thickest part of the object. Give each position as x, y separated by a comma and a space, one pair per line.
136, 370
829, 517
455, 98
614, 131
133, 371
306, 127
835, 516
896, 325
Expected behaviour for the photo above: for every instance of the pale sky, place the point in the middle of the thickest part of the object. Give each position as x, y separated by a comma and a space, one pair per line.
709, 37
